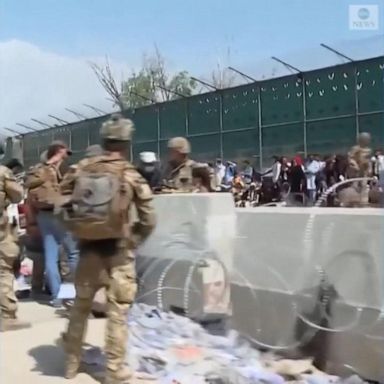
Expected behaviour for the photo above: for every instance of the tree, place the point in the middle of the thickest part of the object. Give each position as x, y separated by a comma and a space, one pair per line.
151, 84
108, 82
222, 77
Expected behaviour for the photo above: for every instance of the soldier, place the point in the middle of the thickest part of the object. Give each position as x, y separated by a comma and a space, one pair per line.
360, 157
10, 192
178, 176
34, 242
359, 164
91, 151
108, 262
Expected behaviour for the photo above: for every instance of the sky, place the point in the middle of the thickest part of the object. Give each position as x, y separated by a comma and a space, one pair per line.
46, 45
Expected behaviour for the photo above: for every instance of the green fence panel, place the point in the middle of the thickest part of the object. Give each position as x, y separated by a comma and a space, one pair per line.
163, 150
204, 113
80, 136
205, 147
331, 136
281, 100
62, 134
283, 140
8, 150
137, 148
330, 92
240, 108
94, 127
241, 145
331, 111
31, 148
173, 119
45, 139
370, 85
146, 124
374, 124
76, 157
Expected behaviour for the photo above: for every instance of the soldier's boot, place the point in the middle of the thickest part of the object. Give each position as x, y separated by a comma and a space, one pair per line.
72, 366
121, 376
73, 361
13, 325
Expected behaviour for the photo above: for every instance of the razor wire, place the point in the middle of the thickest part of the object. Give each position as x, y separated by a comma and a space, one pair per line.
321, 301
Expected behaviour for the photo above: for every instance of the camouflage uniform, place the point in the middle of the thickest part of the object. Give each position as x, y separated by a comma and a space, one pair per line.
10, 192
37, 257
359, 164
179, 178
109, 264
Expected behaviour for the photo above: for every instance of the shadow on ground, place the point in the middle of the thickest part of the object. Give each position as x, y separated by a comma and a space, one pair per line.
50, 361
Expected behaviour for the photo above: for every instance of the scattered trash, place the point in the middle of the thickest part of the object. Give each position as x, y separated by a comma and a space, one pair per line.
175, 350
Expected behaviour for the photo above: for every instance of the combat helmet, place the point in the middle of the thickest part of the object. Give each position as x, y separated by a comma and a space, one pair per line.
117, 128
180, 144
364, 138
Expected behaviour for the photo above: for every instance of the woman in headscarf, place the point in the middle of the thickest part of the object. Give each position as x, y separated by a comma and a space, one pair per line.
201, 179
297, 175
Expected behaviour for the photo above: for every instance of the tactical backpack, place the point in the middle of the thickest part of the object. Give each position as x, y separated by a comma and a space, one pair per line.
98, 208
42, 183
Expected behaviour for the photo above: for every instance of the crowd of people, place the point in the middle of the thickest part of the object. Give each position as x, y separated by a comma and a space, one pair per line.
300, 181
296, 181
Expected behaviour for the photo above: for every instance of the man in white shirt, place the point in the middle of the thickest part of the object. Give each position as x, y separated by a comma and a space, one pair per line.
378, 163
312, 169
276, 170
219, 172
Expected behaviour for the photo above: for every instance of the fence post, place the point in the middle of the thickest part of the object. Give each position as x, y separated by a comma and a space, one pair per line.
158, 130
356, 94
260, 126
221, 117
304, 90
186, 110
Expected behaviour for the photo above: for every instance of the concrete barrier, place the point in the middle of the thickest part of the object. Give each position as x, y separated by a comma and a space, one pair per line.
281, 257
282, 249
279, 260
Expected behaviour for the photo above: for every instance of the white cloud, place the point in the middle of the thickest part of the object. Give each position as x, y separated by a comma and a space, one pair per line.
35, 83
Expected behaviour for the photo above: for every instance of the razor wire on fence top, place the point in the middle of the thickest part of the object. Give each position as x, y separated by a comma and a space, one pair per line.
320, 111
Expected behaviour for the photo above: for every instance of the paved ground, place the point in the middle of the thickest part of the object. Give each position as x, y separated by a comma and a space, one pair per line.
30, 356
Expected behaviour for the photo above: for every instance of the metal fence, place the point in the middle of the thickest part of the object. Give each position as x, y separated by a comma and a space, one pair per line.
320, 111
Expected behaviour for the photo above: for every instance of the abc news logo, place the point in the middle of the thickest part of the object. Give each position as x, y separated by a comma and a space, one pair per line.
364, 17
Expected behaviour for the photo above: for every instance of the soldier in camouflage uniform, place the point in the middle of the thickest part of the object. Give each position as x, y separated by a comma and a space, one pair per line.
109, 263
359, 164
10, 192
178, 175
